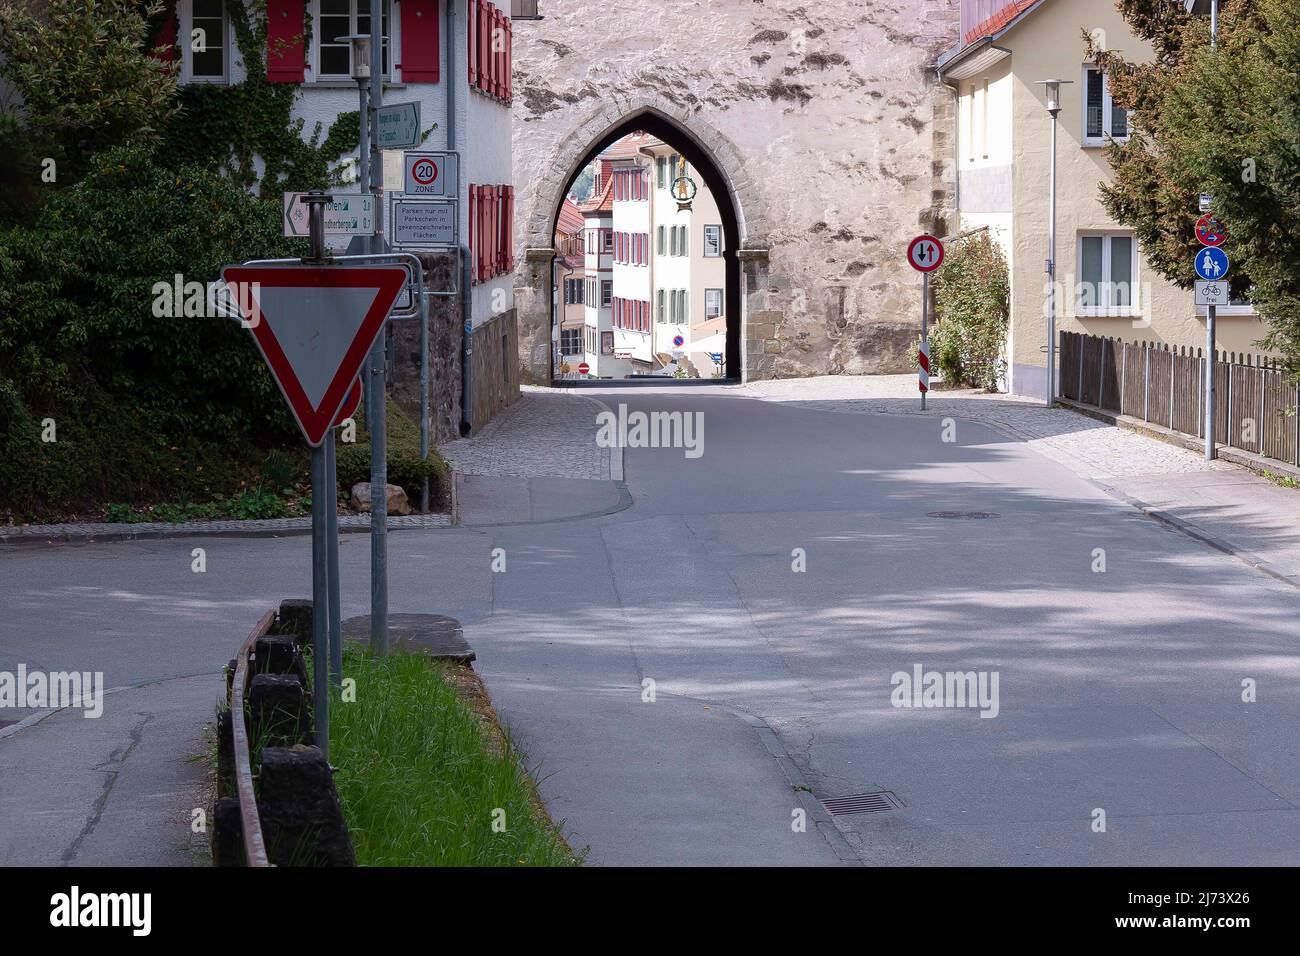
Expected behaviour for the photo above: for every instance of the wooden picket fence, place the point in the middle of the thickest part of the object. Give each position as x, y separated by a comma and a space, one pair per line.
1255, 408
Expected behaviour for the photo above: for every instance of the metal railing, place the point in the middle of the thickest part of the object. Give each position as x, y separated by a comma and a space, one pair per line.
250, 822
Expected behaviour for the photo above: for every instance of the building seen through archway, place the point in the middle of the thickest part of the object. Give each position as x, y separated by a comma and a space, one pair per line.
641, 277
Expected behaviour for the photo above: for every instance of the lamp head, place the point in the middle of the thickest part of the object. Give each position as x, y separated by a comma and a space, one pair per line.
360, 46
1054, 94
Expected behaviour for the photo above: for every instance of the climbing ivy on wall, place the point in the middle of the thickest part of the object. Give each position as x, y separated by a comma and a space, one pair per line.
230, 125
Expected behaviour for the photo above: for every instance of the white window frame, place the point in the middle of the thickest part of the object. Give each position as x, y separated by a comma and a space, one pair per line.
1107, 111
606, 293
185, 24
1100, 309
709, 293
712, 255
394, 41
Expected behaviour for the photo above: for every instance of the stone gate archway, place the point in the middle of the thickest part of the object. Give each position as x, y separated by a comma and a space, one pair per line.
745, 225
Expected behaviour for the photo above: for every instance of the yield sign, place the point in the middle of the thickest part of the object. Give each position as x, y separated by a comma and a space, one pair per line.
314, 326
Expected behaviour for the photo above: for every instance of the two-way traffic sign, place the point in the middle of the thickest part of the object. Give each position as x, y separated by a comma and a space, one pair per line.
314, 326
925, 253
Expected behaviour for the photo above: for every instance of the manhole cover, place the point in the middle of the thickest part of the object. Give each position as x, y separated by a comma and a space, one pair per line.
963, 515
863, 803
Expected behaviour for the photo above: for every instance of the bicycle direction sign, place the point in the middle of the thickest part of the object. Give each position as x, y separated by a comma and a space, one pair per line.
399, 125
347, 214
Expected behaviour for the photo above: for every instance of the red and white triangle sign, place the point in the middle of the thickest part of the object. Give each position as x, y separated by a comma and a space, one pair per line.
314, 325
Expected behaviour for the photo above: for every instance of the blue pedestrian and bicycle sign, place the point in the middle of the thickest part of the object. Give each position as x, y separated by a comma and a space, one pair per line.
1211, 263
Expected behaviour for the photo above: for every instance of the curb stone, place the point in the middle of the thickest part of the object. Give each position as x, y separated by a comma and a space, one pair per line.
41, 534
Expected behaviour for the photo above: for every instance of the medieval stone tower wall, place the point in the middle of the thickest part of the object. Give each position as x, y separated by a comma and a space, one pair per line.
826, 120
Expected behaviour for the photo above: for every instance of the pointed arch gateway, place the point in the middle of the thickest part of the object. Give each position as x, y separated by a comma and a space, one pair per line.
716, 162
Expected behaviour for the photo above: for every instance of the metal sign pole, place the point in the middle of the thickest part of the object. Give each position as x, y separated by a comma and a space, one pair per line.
332, 560
320, 641
378, 393
424, 393
1211, 452
323, 588
925, 335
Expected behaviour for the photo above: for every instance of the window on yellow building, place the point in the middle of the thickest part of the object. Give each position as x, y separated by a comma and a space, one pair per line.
1107, 282
1103, 120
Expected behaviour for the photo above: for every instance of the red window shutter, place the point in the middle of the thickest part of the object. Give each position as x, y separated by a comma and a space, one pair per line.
499, 52
484, 46
285, 27
484, 233
510, 228
472, 39
500, 262
510, 60
494, 231
164, 43
420, 41
473, 230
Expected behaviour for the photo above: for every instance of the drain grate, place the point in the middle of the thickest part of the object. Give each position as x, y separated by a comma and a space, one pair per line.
863, 803
964, 515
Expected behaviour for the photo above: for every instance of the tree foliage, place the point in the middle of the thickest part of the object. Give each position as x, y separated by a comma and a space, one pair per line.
152, 182
87, 78
972, 296
1223, 121
144, 404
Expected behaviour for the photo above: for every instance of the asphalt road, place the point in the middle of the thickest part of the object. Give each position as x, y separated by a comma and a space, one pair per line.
1119, 692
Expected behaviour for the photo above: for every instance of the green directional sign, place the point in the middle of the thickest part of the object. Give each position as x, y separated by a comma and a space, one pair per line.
399, 125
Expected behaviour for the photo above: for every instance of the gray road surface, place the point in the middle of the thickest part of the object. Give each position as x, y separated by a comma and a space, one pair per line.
1118, 691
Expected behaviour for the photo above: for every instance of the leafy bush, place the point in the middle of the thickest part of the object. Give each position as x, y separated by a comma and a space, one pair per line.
972, 308
143, 406
405, 467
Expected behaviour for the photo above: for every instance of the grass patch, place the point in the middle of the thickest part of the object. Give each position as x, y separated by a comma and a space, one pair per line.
421, 778
1284, 481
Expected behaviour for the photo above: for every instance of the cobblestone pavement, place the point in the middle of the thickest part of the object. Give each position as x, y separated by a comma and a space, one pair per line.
1088, 447
548, 433
162, 529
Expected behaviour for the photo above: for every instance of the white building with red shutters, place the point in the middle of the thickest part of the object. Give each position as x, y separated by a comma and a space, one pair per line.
630, 221
598, 264
453, 57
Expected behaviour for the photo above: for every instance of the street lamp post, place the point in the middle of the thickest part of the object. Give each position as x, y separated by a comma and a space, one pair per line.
1053, 110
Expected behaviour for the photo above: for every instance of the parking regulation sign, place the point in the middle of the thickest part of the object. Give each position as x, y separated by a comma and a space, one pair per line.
1212, 263
431, 174
1210, 232
925, 253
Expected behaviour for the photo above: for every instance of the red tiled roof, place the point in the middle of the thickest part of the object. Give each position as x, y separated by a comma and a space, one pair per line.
999, 20
629, 146
604, 203
570, 220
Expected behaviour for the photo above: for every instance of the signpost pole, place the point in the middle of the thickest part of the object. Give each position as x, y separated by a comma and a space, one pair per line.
322, 586
1210, 451
332, 560
377, 404
925, 336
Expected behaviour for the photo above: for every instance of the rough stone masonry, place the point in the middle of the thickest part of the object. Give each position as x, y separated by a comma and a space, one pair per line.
826, 120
